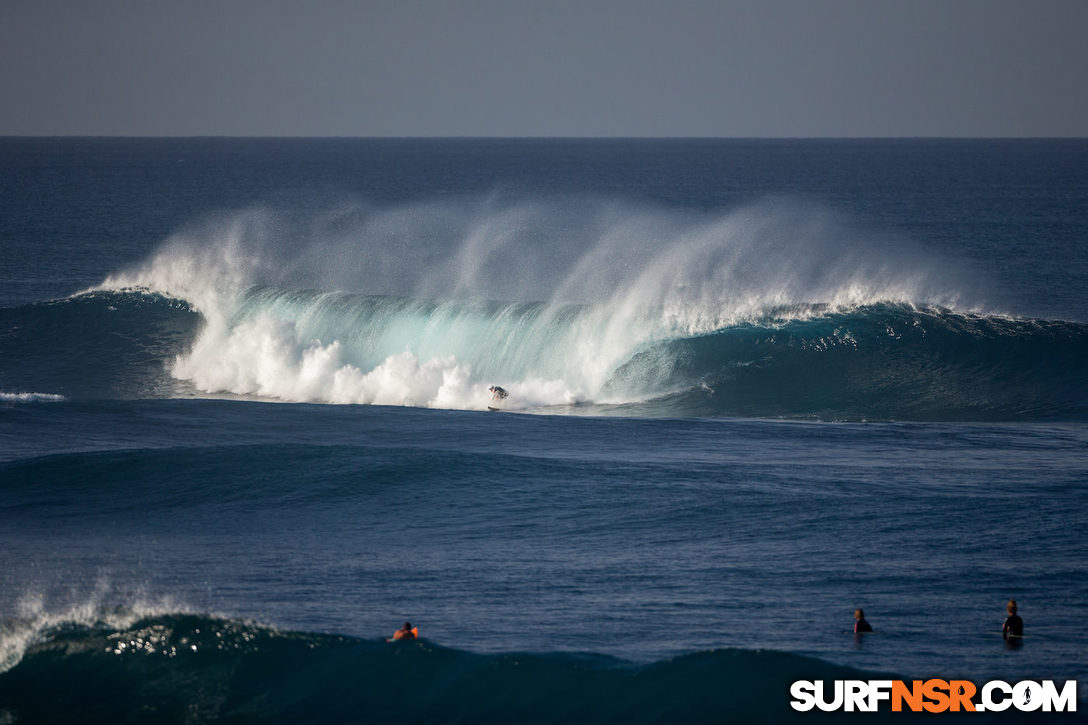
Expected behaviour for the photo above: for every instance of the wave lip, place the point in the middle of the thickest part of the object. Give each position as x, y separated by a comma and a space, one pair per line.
94, 345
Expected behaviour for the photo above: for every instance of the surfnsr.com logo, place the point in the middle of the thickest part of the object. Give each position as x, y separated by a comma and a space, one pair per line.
933, 696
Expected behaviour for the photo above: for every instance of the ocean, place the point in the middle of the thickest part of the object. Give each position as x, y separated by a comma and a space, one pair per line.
753, 386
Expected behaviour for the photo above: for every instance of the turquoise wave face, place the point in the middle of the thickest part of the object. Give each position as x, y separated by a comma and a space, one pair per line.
872, 362
174, 668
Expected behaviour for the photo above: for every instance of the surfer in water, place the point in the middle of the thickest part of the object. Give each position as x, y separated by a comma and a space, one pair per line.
860, 625
1013, 626
405, 632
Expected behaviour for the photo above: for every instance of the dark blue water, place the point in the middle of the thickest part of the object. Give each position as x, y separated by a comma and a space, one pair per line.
753, 385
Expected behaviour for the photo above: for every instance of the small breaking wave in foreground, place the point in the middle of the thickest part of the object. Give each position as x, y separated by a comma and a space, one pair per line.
187, 667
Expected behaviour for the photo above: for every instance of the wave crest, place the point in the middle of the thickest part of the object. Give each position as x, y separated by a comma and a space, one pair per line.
777, 309
593, 283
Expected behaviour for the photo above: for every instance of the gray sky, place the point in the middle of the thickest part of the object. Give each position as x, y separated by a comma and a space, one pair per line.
544, 67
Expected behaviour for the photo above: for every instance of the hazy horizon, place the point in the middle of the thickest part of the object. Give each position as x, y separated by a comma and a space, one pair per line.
560, 69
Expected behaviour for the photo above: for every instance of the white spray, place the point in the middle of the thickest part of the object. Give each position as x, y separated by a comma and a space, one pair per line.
289, 308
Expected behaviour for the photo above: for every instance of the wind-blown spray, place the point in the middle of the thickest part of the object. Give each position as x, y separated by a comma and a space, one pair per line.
561, 302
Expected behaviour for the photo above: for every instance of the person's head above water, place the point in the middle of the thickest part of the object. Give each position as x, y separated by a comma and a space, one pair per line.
407, 625
859, 614
1011, 606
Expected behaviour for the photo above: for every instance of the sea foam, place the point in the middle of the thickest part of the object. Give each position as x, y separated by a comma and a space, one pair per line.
31, 398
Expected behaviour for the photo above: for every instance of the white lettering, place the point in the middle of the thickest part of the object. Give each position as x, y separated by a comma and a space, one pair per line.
879, 690
987, 697
834, 704
856, 695
804, 698
1066, 701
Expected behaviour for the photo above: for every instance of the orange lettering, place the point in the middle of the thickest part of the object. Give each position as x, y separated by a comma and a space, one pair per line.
913, 695
936, 691
961, 692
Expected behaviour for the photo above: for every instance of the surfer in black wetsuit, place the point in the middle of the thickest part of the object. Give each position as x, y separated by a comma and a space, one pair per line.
1013, 626
860, 625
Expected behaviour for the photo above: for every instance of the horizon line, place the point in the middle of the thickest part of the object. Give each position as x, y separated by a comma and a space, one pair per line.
540, 138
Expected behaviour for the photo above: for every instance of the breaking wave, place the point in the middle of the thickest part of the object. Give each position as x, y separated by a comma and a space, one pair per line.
774, 310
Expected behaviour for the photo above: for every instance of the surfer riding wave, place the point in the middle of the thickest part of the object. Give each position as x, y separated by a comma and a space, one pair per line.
498, 395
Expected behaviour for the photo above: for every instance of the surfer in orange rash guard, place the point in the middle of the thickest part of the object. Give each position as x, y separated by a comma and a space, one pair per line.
406, 632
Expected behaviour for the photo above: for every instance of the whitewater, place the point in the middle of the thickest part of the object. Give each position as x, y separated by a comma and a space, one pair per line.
567, 304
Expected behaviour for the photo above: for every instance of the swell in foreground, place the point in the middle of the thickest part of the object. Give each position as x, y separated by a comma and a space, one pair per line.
183, 668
